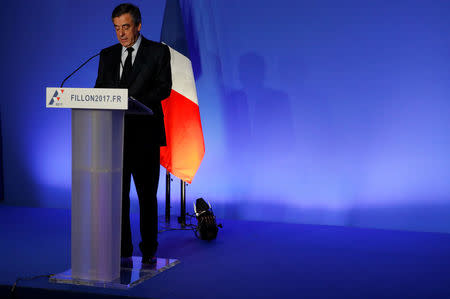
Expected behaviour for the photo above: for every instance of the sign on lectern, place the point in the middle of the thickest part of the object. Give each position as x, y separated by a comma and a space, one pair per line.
87, 98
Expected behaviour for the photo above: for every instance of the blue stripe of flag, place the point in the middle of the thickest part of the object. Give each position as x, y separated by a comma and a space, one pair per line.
172, 31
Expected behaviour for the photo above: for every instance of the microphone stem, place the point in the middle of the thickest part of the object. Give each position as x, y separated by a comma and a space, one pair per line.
78, 69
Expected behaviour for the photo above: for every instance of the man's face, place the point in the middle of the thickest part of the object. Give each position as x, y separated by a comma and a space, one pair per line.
127, 32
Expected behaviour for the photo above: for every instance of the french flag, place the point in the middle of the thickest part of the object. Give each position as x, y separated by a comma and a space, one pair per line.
185, 145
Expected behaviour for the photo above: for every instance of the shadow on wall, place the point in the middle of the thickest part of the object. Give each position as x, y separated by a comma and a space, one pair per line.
258, 129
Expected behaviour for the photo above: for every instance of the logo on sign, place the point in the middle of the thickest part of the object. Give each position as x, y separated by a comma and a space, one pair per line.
56, 97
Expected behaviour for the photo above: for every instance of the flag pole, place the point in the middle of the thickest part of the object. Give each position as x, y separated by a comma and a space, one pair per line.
168, 179
182, 218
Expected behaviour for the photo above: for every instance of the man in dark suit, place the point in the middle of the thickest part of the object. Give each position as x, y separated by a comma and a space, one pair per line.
142, 66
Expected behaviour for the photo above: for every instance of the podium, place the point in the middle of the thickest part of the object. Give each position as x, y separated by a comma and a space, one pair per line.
97, 161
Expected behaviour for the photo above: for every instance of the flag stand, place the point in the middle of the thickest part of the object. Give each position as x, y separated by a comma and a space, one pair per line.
168, 180
182, 217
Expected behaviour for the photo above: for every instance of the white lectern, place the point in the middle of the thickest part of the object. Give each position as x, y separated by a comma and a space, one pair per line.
97, 158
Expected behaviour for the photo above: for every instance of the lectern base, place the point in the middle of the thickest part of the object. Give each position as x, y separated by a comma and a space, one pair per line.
132, 273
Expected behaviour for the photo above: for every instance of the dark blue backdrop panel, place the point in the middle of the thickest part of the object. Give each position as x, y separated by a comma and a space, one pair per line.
313, 111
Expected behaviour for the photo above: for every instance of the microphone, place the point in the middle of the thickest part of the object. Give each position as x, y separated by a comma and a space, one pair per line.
78, 69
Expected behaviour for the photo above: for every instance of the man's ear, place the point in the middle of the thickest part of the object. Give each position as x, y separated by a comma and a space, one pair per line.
139, 27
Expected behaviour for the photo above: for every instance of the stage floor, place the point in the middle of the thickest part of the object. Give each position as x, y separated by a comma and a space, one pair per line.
248, 260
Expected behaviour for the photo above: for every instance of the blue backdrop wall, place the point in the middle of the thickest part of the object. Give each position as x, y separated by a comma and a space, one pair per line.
313, 111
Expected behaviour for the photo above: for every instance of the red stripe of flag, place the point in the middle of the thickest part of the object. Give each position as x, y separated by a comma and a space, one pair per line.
185, 146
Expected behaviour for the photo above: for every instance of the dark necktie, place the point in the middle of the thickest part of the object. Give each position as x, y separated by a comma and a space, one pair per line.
127, 68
